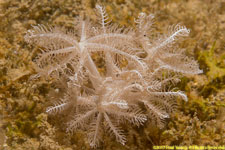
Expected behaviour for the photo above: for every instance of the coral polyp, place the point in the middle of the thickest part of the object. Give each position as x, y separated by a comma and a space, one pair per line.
134, 93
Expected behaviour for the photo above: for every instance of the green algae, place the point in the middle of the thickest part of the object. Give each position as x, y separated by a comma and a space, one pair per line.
213, 63
215, 70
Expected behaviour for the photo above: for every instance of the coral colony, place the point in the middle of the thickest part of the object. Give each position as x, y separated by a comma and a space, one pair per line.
136, 84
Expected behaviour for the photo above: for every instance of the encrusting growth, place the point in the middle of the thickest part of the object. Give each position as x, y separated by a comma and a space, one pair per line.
134, 92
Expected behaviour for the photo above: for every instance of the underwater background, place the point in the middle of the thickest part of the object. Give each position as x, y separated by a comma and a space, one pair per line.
23, 121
